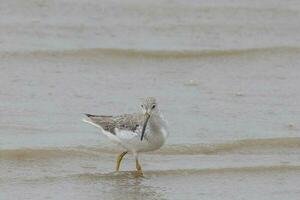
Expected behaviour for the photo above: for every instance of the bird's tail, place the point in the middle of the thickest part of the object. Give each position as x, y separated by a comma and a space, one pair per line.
88, 119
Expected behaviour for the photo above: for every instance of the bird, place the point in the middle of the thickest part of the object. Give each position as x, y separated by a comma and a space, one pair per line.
143, 131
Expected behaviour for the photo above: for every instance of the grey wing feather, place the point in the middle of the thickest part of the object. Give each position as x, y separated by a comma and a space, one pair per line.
130, 122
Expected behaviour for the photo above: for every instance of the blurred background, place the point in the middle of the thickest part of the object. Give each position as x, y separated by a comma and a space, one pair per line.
225, 73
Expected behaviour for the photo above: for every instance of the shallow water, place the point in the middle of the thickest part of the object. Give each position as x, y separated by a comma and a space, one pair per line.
226, 75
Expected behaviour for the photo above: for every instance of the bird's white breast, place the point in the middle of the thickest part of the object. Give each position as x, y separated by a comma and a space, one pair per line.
155, 136
156, 133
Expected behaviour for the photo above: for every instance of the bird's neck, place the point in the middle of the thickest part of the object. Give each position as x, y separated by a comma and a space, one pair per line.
158, 126
156, 120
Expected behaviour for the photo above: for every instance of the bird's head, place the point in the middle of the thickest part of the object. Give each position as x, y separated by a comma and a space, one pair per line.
149, 107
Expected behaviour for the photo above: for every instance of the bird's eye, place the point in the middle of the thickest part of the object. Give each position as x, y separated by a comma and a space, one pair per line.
142, 106
153, 106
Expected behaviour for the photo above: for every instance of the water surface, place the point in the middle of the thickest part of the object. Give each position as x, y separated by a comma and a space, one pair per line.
225, 73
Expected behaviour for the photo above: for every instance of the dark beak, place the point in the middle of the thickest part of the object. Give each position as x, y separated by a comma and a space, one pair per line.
145, 125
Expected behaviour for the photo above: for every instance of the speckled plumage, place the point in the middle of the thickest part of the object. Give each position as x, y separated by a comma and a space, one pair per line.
137, 132
131, 122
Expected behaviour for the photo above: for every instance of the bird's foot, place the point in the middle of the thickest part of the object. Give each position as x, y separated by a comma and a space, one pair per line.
139, 173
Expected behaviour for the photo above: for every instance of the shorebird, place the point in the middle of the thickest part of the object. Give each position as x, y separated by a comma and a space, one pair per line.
137, 132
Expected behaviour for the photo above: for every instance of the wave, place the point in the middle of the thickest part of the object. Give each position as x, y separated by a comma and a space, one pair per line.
26, 153
124, 175
173, 54
248, 146
152, 173
241, 146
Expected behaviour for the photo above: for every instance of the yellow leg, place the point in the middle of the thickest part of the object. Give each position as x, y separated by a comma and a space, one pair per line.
119, 159
139, 171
